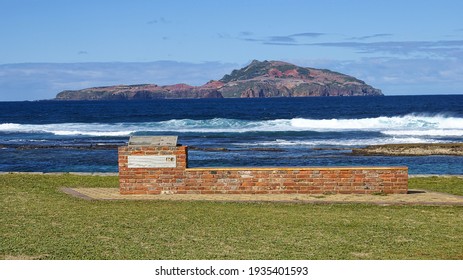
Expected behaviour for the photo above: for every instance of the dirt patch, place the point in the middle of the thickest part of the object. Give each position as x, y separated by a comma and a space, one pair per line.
23, 257
414, 197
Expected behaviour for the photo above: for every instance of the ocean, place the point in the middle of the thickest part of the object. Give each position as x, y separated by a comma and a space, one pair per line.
82, 136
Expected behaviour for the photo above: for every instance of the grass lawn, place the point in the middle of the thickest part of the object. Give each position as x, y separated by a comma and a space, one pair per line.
40, 222
452, 185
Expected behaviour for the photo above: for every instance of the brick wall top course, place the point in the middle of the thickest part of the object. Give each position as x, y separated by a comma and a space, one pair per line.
310, 168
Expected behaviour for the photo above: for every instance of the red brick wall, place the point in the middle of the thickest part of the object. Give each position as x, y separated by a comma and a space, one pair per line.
151, 180
304, 180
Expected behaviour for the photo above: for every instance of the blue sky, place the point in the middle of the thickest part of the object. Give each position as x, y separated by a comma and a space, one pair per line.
401, 47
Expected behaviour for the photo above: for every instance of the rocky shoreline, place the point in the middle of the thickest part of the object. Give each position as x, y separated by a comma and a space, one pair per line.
103, 146
419, 149
64, 147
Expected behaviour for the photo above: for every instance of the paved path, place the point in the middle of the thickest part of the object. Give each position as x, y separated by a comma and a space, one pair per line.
414, 197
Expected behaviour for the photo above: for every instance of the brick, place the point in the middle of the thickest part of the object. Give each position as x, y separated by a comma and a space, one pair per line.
252, 180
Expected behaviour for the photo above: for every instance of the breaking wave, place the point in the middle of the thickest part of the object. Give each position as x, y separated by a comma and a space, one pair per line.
342, 142
409, 125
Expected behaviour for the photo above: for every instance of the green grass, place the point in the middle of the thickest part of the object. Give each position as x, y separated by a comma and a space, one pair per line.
40, 222
451, 185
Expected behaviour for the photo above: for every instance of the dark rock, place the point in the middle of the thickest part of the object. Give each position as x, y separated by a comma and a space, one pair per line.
64, 147
267, 149
420, 149
209, 149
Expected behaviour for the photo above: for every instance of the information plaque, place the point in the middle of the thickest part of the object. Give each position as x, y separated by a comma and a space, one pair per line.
152, 161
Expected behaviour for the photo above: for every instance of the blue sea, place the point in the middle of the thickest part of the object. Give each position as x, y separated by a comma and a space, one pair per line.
54, 136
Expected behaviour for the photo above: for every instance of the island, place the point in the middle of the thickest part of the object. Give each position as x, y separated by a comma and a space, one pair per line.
260, 79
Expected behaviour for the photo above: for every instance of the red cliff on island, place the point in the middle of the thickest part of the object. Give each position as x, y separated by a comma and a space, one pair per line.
260, 79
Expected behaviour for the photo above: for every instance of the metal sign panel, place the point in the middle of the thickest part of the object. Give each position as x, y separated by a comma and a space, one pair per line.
152, 161
153, 141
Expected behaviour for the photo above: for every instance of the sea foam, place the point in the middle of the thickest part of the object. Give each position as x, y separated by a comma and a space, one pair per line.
407, 125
